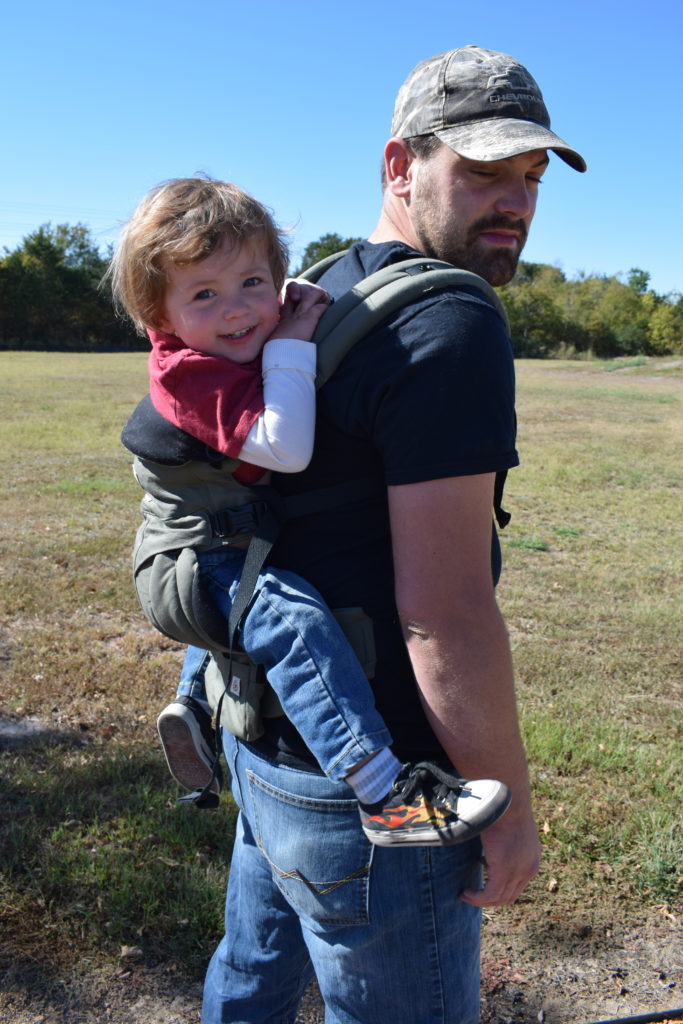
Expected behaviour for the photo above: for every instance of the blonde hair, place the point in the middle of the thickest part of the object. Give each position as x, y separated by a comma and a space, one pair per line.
184, 221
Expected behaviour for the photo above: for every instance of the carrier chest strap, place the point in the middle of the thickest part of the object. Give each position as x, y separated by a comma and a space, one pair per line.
233, 523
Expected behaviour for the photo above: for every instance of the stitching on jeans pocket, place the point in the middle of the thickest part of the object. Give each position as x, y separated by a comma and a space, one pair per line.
308, 802
315, 889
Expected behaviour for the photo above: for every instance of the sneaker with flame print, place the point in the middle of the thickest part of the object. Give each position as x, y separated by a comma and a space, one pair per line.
430, 807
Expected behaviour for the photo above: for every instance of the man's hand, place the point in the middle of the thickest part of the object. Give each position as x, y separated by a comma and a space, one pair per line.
511, 859
303, 305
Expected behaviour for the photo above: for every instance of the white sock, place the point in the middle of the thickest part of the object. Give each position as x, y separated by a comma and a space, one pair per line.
373, 780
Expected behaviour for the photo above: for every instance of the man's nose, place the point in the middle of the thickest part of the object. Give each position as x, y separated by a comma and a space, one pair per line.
517, 199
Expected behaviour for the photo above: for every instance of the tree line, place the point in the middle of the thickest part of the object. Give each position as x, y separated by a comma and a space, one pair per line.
51, 298
552, 316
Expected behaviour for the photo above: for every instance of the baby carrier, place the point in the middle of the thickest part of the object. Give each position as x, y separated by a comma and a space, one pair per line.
181, 519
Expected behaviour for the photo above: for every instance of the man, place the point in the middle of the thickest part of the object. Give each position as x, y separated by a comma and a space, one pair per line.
424, 407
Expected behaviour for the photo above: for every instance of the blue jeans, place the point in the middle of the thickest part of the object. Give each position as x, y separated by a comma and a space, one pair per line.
191, 682
308, 661
382, 930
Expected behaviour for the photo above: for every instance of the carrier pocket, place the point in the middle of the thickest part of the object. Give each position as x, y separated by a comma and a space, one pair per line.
170, 594
239, 687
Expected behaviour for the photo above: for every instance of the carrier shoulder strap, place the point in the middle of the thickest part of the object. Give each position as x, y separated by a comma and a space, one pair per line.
359, 310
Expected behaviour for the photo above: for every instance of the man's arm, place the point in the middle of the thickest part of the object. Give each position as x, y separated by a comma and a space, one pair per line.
459, 649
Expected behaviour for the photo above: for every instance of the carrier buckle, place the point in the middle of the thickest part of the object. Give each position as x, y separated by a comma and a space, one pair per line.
230, 522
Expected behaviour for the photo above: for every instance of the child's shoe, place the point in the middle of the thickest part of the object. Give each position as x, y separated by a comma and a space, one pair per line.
189, 745
429, 807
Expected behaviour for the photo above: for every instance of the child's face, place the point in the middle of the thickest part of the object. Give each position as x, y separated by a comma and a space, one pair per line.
225, 305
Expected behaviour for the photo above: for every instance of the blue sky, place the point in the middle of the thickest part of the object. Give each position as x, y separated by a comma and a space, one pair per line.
293, 101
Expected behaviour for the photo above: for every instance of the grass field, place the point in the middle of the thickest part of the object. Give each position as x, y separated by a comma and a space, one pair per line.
95, 853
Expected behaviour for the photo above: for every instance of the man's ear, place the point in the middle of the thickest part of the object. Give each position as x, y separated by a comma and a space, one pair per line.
398, 161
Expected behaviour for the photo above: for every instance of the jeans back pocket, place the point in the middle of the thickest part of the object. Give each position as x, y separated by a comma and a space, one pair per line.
318, 854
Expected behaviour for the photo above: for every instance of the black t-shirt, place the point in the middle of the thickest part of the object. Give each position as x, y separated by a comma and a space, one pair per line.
428, 395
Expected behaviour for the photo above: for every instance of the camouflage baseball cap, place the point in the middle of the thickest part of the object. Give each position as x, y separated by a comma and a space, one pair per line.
483, 104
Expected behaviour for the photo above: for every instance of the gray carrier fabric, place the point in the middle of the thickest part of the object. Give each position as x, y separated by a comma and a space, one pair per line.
177, 522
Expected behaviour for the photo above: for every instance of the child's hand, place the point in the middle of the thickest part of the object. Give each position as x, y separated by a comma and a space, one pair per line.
301, 308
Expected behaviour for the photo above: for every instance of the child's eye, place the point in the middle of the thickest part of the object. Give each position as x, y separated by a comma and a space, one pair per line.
205, 293
251, 282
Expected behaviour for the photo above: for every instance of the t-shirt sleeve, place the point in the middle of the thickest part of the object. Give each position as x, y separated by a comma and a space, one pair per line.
445, 406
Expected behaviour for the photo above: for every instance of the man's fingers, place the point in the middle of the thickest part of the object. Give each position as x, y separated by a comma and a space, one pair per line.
494, 894
511, 859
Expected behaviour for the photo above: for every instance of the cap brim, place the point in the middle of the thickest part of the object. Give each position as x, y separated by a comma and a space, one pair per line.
498, 138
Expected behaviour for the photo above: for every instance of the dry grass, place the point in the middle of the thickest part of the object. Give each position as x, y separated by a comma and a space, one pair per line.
592, 595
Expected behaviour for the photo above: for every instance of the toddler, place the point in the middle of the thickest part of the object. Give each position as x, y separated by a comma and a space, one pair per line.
200, 268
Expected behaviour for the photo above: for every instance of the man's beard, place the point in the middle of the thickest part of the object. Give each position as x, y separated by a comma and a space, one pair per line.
462, 247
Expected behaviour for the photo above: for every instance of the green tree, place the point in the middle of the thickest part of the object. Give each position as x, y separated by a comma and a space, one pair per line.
50, 296
605, 316
536, 325
533, 304
324, 246
595, 313
638, 280
665, 327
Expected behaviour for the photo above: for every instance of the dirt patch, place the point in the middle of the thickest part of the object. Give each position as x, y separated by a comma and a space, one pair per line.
576, 970
536, 970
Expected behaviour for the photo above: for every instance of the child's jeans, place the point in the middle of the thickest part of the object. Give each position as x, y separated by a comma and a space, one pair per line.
291, 632
191, 682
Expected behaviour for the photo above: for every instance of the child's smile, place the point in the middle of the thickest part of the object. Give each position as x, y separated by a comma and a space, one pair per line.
225, 305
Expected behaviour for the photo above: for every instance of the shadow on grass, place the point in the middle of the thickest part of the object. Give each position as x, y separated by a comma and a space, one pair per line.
96, 855
18, 733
